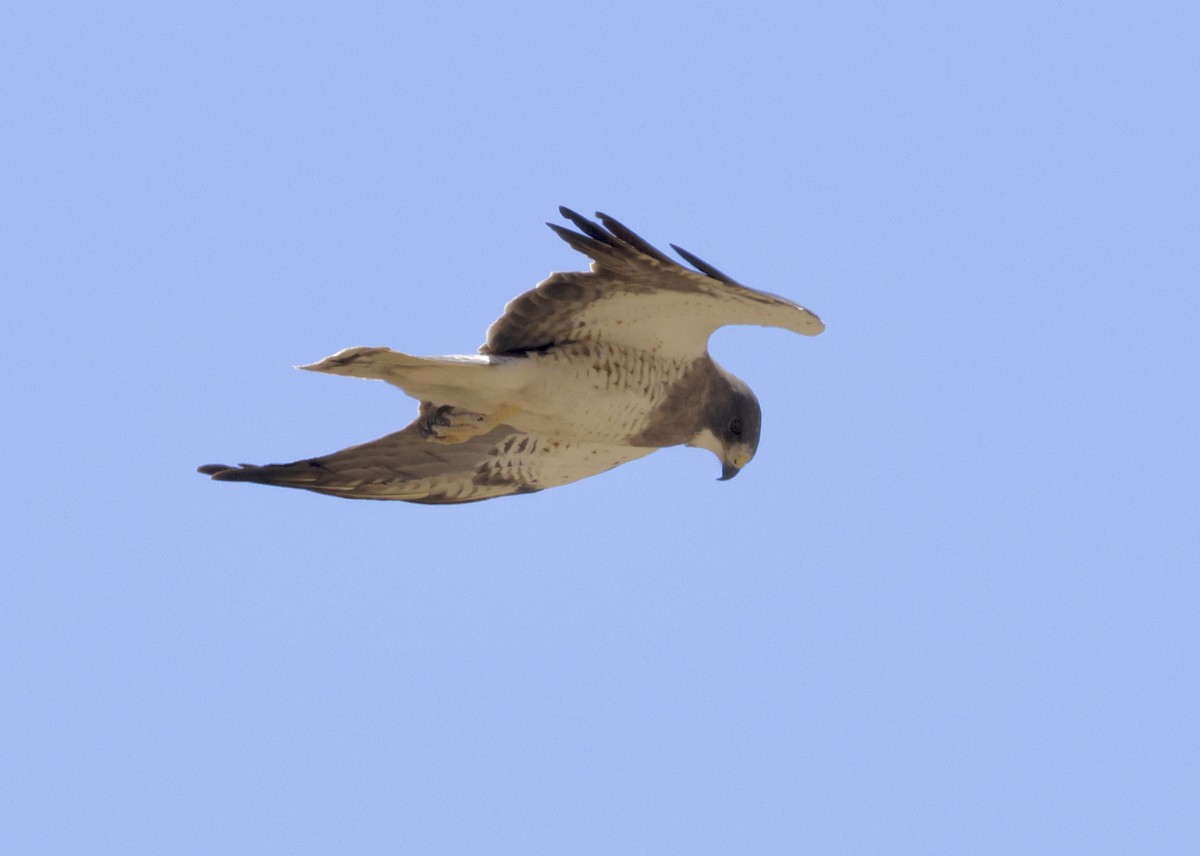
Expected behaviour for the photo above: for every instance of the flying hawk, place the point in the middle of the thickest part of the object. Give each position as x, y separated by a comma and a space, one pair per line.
585, 372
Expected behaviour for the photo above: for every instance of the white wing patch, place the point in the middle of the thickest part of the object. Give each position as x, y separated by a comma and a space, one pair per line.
635, 295
679, 324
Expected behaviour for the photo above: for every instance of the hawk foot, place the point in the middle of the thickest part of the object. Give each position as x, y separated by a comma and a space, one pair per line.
447, 425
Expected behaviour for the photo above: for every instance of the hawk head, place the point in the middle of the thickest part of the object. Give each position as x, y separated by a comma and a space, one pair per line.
730, 423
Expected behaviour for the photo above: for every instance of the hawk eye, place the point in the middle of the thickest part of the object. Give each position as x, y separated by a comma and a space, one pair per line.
735, 427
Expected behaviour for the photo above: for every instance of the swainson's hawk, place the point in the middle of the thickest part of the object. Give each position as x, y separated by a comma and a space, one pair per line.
583, 373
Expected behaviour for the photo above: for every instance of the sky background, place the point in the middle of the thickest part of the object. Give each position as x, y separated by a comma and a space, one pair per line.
952, 605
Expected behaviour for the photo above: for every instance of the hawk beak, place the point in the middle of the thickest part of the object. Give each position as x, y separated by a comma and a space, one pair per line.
732, 464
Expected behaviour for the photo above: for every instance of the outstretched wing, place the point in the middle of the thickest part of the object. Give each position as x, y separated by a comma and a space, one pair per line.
404, 466
635, 295
409, 466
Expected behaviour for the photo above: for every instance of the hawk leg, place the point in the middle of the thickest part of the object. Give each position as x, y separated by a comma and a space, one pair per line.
448, 425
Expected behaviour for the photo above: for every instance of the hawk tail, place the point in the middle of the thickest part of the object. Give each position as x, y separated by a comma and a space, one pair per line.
456, 380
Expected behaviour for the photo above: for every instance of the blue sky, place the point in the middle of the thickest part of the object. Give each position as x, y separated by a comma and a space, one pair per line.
951, 607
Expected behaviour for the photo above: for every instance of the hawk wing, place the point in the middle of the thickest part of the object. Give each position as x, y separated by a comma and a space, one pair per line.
635, 295
409, 466
404, 465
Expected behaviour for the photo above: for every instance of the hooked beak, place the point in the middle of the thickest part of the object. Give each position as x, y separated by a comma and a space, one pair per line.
731, 465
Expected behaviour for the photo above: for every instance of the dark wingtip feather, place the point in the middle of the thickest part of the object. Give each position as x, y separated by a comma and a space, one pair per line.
703, 266
574, 216
614, 238
224, 472
582, 243
298, 474
585, 225
633, 239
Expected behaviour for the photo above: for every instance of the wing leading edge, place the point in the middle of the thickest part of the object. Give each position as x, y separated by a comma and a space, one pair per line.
635, 295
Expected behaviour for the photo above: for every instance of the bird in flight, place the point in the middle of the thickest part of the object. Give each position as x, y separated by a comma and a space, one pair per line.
587, 371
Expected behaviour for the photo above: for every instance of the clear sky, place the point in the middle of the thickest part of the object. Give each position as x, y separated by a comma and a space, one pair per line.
951, 607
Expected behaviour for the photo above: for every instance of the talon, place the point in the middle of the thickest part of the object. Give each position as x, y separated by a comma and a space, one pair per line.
447, 427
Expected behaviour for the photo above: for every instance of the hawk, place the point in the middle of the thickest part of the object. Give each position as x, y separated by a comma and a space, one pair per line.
585, 372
